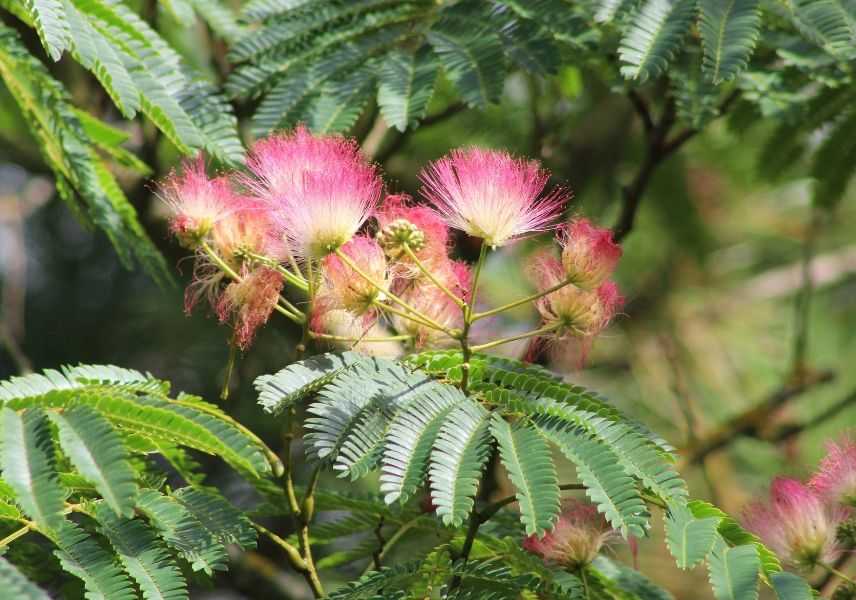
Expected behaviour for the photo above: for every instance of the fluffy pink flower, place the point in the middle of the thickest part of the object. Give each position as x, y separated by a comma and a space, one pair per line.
492, 195
797, 524
320, 189
246, 229
197, 202
249, 303
575, 311
579, 535
835, 478
589, 255
429, 300
432, 230
344, 288
345, 325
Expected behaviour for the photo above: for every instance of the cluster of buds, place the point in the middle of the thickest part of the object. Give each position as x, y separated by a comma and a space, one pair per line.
801, 522
579, 535
311, 211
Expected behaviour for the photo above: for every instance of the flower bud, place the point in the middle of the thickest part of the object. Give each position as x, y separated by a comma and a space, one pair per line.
394, 236
835, 479
797, 524
589, 255
577, 538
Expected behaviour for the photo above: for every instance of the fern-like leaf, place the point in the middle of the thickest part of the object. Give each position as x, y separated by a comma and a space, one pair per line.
29, 466
298, 380
16, 585
96, 450
370, 585
143, 555
734, 572
460, 451
729, 31
526, 456
225, 522
84, 558
654, 37
829, 24
405, 86
690, 539
52, 25
342, 101
835, 163
789, 586
630, 580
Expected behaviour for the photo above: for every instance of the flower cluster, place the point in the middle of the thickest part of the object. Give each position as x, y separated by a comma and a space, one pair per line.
801, 521
311, 212
579, 535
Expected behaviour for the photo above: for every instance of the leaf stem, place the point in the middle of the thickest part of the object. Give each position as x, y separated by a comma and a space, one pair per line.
410, 253
837, 573
368, 339
526, 300
296, 280
293, 553
17, 534
528, 334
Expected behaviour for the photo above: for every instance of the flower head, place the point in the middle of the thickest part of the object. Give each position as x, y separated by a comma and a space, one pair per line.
797, 524
320, 189
491, 195
249, 303
578, 537
574, 311
589, 255
431, 301
197, 202
422, 228
247, 229
835, 478
345, 288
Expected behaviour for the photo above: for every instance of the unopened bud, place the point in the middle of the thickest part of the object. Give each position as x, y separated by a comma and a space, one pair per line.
394, 236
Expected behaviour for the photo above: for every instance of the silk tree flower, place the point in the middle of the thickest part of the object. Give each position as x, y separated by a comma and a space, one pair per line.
344, 288
491, 195
835, 479
196, 202
249, 302
589, 255
345, 325
320, 190
578, 536
395, 214
247, 229
797, 524
572, 310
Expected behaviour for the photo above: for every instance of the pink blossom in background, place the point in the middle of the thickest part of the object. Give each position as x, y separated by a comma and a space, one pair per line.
319, 189
491, 195
796, 523
580, 533
588, 253
835, 478
343, 287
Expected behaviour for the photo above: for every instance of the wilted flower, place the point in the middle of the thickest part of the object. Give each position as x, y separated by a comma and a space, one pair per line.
491, 195
589, 255
343, 287
579, 535
797, 524
320, 189
196, 201
573, 310
400, 221
835, 479
249, 303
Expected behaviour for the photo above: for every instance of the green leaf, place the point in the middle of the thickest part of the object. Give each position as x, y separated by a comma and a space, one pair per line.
791, 587
16, 585
51, 23
83, 557
472, 59
835, 162
298, 380
184, 532
829, 24
630, 580
341, 102
398, 577
225, 522
28, 466
405, 86
526, 456
729, 31
734, 572
143, 555
654, 36
460, 452
607, 483
220, 19
96, 450
411, 435
689, 539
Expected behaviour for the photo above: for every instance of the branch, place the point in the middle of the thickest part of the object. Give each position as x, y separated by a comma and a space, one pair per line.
789, 431
394, 140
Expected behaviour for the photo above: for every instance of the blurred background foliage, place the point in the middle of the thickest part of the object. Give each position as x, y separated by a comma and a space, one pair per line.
724, 348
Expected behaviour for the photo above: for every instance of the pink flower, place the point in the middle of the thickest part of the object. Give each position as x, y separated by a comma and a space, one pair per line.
574, 311
247, 229
589, 255
492, 195
249, 303
429, 300
320, 189
425, 225
577, 538
344, 288
797, 524
197, 202
835, 479
345, 325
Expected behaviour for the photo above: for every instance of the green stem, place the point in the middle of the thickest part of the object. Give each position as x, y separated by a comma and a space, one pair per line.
466, 351
837, 573
431, 276
415, 318
307, 511
340, 338
293, 553
528, 334
526, 300
16, 534
584, 579
296, 280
